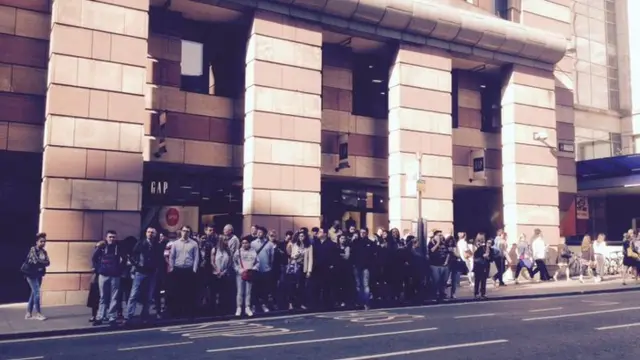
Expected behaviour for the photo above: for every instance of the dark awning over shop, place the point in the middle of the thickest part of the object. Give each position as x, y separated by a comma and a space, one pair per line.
613, 172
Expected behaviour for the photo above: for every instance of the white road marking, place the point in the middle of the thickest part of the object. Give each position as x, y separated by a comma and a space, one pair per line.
617, 326
390, 323
473, 316
155, 346
313, 341
424, 350
600, 303
286, 333
580, 314
29, 358
543, 310
296, 316
76, 336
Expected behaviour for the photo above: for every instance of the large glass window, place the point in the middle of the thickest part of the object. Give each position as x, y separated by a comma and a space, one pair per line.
594, 33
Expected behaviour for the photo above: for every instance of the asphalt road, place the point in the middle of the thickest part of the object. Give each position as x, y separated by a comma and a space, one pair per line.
579, 327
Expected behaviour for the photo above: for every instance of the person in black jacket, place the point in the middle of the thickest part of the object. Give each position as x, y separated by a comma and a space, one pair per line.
482, 258
146, 258
326, 256
362, 254
108, 261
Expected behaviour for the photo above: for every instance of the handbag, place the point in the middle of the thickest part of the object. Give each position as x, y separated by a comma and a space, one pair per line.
293, 268
27, 268
461, 267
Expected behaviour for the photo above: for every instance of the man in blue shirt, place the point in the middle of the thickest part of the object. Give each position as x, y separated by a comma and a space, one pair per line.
262, 282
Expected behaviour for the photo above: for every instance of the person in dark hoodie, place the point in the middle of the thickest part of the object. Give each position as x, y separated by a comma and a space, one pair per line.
362, 253
326, 256
147, 258
108, 261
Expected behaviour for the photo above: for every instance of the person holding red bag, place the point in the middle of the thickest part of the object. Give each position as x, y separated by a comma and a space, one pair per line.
245, 262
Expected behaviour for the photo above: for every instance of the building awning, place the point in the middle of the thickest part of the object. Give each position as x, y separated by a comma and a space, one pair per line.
431, 19
613, 172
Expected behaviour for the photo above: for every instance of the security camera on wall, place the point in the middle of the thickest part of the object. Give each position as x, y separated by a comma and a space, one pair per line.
540, 136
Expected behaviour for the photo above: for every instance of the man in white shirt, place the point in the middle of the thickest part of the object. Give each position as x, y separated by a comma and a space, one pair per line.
539, 249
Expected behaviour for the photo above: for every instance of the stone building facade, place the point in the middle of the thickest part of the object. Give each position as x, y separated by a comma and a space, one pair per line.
92, 92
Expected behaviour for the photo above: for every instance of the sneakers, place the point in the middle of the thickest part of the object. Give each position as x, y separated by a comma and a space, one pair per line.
238, 311
39, 317
28, 316
265, 309
555, 277
248, 311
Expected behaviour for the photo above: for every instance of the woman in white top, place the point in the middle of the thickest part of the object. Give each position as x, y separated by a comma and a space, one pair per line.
600, 251
465, 249
299, 265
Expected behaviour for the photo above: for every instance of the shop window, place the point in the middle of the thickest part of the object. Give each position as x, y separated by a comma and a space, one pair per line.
455, 79
370, 79
491, 109
502, 8
213, 58
194, 74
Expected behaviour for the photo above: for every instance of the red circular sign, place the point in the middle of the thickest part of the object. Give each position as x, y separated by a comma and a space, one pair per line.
172, 217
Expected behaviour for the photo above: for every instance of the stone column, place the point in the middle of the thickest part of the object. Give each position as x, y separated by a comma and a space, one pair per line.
420, 122
92, 170
529, 167
282, 124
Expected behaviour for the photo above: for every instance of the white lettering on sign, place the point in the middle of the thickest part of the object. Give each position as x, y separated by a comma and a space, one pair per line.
159, 187
236, 329
378, 317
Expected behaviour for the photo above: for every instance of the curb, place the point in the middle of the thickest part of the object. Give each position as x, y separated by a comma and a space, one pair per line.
33, 335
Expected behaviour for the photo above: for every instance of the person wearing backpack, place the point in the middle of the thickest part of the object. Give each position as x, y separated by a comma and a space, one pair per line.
34, 268
108, 261
263, 285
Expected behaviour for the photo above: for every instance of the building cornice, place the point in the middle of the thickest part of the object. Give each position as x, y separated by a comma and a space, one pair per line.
427, 22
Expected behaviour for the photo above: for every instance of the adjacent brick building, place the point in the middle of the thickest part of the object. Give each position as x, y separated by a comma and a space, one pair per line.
119, 114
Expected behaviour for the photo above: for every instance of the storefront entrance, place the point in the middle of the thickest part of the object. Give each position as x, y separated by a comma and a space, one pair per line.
19, 209
354, 204
177, 195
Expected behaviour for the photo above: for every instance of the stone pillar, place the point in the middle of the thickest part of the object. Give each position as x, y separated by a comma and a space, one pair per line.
92, 170
282, 124
420, 122
529, 167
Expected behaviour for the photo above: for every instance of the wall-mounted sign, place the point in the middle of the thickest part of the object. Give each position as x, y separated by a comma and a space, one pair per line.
477, 165
582, 208
158, 187
566, 147
412, 184
343, 152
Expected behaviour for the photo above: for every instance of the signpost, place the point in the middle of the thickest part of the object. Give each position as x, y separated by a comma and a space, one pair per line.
414, 186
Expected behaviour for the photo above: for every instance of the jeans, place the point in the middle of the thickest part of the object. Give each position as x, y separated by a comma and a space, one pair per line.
142, 291
243, 293
455, 281
439, 277
541, 267
109, 288
362, 285
500, 267
34, 299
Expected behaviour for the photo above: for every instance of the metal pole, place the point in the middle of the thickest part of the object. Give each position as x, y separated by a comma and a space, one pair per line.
420, 232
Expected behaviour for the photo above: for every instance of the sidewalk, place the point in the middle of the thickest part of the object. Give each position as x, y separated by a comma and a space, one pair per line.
73, 319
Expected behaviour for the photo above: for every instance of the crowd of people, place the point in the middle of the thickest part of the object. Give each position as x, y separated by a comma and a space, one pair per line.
189, 275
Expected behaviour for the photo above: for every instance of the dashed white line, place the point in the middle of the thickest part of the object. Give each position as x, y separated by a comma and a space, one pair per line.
474, 316
29, 358
543, 310
580, 314
613, 327
313, 341
390, 323
155, 346
424, 350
